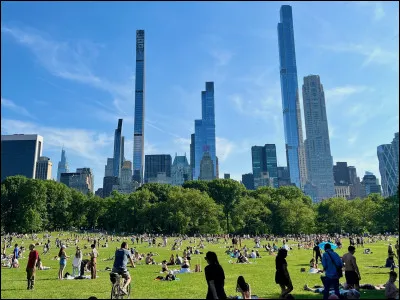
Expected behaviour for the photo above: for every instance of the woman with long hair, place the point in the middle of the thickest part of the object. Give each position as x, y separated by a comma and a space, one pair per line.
243, 287
63, 261
282, 276
215, 277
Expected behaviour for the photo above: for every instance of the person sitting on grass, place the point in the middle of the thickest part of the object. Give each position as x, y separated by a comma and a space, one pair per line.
178, 260
164, 267
391, 291
243, 287
253, 254
242, 259
258, 254
40, 266
314, 267
171, 261
149, 260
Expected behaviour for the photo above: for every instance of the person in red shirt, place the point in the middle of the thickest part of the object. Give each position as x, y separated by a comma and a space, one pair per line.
31, 267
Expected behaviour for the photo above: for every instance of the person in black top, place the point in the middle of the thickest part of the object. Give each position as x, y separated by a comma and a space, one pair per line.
282, 274
317, 251
215, 277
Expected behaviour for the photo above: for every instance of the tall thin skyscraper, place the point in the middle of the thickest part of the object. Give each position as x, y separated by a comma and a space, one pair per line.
192, 155
387, 169
118, 150
205, 131
138, 134
317, 146
62, 165
290, 98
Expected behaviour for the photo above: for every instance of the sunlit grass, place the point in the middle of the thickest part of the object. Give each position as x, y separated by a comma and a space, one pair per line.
260, 274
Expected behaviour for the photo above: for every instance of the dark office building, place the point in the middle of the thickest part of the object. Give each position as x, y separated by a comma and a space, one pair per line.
108, 183
283, 176
158, 163
248, 181
341, 173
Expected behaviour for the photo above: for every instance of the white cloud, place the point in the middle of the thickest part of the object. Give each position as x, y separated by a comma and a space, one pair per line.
6, 103
222, 57
338, 94
224, 148
72, 61
373, 54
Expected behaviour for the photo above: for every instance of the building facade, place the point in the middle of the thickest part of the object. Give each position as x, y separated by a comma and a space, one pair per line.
109, 182
19, 154
118, 155
43, 168
290, 98
341, 174
283, 176
264, 161
206, 167
180, 170
387, 169
370, 184
227, 176
192, 154
318, 150
138, 134
155, 164
62, 165
109, 168
342, 191
205, 131
82, 180
248, 181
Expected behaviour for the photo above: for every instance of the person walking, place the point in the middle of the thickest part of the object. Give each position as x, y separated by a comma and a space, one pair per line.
351, 271
93, 261
31, 266
215, 277
282, 276
317, 252
333, 270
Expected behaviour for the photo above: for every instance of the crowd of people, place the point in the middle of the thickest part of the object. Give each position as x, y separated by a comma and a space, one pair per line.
333, 266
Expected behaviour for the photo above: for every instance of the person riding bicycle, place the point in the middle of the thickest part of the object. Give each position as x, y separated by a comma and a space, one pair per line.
120, 264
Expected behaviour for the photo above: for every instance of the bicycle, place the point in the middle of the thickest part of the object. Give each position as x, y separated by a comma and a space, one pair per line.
117, 284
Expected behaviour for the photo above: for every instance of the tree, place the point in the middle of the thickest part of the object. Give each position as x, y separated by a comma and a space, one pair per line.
226, 192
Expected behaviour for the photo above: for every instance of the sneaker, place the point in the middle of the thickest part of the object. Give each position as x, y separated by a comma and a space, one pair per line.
123, 291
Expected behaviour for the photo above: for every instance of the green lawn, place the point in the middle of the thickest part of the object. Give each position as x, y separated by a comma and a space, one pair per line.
260, 274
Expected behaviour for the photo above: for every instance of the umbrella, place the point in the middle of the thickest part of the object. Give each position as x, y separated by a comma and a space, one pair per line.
322, 245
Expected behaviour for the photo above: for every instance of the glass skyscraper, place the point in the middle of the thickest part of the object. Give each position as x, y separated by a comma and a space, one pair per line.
156, 164
317, 145
388, 156
264, 160
290, 98
118, 152
205, 131
138, 134
62, 165
19, 154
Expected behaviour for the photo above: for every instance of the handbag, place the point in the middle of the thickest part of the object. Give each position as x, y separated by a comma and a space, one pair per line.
338, 269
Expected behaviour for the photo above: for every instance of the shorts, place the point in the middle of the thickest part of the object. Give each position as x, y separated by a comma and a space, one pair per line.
124, 273
351, 277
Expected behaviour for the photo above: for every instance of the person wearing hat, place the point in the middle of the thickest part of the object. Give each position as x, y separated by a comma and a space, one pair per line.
31, 266
63, 261
215, 277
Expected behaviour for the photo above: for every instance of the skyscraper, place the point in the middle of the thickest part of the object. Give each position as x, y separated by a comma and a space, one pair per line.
156, 164
387, 169
205, 130
395, 148
290, 98
264, 161
248, 181
180, 170
206, 167
81, 180
192, 155
318, 151
138, 134
109, 168
227, 176
341, 173
117, 150
370, 184
62, 165
43, 168
19, 154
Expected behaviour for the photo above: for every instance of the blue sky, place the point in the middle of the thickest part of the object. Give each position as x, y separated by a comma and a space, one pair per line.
67, 73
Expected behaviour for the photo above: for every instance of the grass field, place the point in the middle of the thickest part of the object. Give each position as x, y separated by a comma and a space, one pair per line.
260, 274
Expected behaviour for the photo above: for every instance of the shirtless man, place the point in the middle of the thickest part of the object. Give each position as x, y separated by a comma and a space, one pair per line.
352, 273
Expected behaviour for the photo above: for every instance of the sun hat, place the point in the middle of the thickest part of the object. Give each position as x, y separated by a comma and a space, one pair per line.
63, 246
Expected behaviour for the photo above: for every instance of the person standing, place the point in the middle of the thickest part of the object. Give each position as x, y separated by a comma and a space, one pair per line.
282, 276
215, 277
332, 266
317, 252
93, 261
31, 266
63, 261
76, 263
15, 253
351, 271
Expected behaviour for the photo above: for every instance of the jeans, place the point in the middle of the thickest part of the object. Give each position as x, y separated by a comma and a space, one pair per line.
328, 283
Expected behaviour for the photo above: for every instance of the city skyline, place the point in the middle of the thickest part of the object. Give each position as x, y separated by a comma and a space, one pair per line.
76, 97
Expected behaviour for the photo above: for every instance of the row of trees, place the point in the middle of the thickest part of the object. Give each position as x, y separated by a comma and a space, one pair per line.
218, 206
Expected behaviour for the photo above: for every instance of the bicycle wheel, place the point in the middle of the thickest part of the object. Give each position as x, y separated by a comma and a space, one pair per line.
128, 289
115, 291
